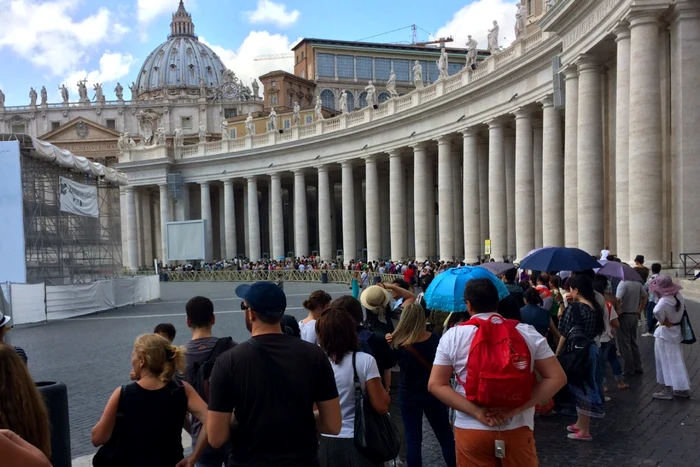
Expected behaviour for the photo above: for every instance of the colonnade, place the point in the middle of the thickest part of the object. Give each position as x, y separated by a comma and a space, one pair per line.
587, 174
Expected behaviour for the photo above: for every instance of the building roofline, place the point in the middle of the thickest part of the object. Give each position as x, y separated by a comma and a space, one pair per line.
378, 45
286, 74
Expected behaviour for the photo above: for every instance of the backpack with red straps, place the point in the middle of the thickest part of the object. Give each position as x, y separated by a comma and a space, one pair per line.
498, 367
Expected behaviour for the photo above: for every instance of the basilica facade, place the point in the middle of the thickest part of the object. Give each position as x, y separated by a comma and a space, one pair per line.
182, 88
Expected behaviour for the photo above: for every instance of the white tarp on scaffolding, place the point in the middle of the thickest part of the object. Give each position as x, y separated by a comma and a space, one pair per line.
78, 199
14, 267
27, 303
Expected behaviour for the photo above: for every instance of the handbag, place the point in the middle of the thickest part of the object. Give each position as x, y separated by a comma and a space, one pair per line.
376, 436
687, 332
113, 452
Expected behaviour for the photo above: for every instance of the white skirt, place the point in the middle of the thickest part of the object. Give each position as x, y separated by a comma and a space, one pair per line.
670, 365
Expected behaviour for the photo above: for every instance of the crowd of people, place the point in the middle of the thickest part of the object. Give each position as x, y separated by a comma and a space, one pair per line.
289, 395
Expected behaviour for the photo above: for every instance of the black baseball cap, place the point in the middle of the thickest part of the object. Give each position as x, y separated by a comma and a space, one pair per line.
265, 298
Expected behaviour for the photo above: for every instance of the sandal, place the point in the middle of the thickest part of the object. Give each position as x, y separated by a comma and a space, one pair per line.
572, 429
577, 436
622, 388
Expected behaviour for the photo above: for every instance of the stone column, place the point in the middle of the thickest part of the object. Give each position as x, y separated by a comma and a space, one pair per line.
277, 224
622, 121
164, 219
483, 154
373, 224
385, 212
301, 221
445, 199
398, 206
645, 203
552, 190
132, 261
590, 157
182, 205
325, 229
570, 159
524, 185
422, 184
498, 216
206, 217
359, 213
539, 186
471, 218
348, 200
509, 142
685, 113
253, 220
229, 220
456, 204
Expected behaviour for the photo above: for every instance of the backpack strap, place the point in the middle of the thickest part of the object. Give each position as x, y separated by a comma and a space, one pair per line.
428, 366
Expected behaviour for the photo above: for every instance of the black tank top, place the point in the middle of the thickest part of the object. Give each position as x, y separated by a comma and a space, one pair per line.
153, 421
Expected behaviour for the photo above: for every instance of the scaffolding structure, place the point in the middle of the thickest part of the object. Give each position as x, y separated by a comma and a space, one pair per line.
63, 248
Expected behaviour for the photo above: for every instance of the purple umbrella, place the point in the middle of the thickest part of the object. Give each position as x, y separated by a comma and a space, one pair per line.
621, 271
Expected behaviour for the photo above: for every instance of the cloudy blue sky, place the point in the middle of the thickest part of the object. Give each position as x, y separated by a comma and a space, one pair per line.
50, 42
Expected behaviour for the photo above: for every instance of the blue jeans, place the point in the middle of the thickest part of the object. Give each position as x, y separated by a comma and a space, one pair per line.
609, 355
413, 406
651, 321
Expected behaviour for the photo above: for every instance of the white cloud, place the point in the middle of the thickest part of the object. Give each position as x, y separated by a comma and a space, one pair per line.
476, 18
242, 60
271, 12
113, 66
148, 10
47, 35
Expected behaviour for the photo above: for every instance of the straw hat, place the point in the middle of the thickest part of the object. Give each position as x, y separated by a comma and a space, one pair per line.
375, 298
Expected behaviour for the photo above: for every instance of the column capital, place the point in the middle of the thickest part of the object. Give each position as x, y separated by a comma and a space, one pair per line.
252, 178
498, 122
394, 153
444, 140
621, 31
569, 71
347, 164
129, 189
163, 185
204, 183
547, 101
641, 17
684, 11
371, 158
228, 181
523, 113
323, 168
418, 146
587, 64
275, 176
470, 132
300, 171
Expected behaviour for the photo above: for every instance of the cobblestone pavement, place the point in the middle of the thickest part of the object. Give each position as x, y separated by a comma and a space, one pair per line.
92, 356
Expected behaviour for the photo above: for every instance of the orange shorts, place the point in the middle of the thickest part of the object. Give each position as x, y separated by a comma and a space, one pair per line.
476, 448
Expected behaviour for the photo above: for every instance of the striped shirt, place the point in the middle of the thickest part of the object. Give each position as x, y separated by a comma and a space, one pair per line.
22, 354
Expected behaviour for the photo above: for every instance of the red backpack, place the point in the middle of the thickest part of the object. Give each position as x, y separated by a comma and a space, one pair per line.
498, 367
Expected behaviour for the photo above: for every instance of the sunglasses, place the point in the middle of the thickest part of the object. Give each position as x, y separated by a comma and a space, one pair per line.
244, 307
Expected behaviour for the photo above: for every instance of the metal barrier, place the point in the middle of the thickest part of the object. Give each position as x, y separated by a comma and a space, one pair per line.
336, 276
689, 263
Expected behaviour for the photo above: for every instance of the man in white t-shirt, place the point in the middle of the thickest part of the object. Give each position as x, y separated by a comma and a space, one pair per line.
479, 431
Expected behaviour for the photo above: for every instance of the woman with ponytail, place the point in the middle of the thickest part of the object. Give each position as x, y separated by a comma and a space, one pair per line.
151, 410
586, 315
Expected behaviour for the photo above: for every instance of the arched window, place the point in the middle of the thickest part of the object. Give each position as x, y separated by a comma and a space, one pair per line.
351, 101
363, 99
328, 99
383, 97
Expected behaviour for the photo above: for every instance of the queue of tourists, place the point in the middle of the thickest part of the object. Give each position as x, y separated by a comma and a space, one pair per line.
350, 384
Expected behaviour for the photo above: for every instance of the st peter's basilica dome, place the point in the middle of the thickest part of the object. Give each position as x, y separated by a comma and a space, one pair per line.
181, 66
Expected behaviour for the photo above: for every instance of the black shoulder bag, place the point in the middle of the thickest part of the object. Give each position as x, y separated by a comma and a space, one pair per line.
376, 436
575, 356
113, 452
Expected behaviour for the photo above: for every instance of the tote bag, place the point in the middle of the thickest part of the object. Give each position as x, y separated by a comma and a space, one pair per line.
687, 330
376, 436
112, 453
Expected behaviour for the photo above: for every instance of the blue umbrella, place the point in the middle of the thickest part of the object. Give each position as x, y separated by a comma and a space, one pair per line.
446, 291
559, 259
